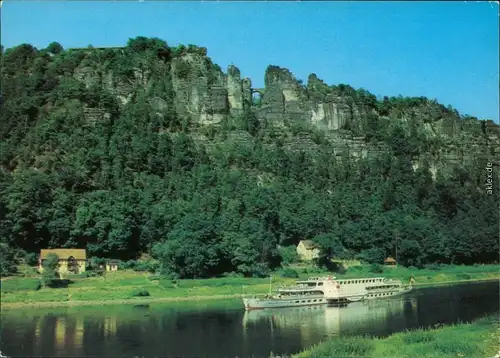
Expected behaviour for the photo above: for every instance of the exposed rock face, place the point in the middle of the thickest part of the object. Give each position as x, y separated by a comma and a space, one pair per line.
205, 95
284, 99
234, 90
200, 92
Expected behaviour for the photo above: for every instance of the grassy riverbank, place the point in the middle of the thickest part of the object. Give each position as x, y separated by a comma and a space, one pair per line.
479, 338
134, 287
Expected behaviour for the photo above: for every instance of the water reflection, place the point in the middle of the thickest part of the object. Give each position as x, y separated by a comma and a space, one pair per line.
333, 319
225, 329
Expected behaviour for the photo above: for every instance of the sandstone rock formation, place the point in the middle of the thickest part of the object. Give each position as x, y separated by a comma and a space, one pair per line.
204, 95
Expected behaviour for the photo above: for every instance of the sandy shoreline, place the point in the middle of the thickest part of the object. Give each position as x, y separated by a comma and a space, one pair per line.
147, 300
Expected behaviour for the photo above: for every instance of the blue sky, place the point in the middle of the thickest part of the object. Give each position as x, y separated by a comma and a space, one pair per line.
448, 51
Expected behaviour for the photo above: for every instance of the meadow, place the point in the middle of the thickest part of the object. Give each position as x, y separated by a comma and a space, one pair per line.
128, 286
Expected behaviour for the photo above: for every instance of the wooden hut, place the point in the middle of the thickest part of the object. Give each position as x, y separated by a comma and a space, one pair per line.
390, 262
112, 265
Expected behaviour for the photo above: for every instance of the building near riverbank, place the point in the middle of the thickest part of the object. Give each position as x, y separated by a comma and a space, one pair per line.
307, 250
70, 260
112, 265
390, 262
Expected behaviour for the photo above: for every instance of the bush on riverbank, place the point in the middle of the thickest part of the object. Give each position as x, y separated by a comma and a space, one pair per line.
476, 339
289, 272
140, 293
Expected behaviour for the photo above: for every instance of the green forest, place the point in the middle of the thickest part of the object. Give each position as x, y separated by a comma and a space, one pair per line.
136, 182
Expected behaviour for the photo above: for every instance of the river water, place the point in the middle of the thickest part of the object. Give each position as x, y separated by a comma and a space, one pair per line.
224, 329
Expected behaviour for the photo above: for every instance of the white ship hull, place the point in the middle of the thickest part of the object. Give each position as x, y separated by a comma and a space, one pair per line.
366, 296
260, 303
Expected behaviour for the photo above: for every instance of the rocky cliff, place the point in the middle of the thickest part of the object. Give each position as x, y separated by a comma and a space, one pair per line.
203, 94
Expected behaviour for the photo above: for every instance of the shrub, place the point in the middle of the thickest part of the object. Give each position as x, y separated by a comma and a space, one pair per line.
31, 259
376, 268
7, 260
338, 268
96, 262
463, 276
433, 267
130, 264
141, 265
288, 255
288, 272
140, 293
372, 256
355, 269
260, 270
50, 275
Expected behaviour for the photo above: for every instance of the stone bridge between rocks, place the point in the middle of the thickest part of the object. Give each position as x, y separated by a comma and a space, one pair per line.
260, 91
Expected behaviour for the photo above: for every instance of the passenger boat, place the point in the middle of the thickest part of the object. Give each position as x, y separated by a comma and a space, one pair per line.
303, 293
356, 289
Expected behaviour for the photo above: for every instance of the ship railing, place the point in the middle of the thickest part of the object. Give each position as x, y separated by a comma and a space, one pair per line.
297, 287
322, 278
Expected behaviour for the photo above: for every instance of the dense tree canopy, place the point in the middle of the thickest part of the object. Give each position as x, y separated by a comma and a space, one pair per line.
135, 182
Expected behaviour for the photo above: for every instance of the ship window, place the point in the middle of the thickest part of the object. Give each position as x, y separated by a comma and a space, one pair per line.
320, 284
315, 300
